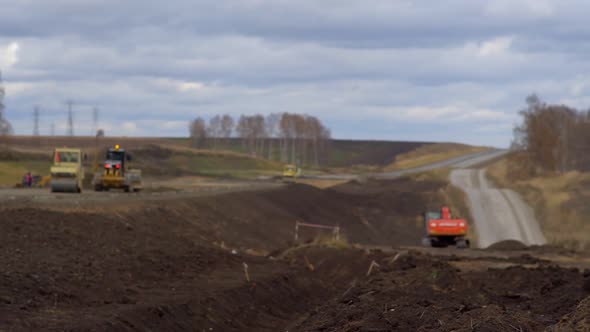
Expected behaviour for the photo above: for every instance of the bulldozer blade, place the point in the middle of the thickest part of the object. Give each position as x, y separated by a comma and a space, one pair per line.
64, 186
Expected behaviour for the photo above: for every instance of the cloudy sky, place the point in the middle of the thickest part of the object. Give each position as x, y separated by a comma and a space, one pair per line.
449, 70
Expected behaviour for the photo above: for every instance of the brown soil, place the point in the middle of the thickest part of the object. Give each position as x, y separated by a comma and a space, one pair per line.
179, 265
420, 293
508, 245
578, 320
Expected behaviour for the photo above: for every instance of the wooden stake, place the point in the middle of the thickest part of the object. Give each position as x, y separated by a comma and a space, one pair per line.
246, 272
373, 265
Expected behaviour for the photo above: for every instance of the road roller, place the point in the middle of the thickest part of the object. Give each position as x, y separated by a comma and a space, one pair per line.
67, 172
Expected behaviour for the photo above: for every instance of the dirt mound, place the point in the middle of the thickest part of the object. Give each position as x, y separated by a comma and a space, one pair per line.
508, 245
421, 293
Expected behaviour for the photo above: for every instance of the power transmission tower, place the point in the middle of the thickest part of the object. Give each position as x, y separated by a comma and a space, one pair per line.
36, 121
5, 126
94, 120
52, 129
70, 118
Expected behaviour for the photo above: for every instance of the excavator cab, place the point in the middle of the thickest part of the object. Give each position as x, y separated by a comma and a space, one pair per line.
442, 230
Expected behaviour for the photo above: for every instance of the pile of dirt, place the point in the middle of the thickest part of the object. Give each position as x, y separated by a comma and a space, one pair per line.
508, 245
84, 272
422, 293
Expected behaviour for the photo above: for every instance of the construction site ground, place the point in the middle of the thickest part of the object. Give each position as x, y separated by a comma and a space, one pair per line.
226, 260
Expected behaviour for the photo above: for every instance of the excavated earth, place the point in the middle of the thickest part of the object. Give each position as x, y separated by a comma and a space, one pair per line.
229, 263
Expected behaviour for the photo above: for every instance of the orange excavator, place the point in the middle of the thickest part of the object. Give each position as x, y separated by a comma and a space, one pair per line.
442, 230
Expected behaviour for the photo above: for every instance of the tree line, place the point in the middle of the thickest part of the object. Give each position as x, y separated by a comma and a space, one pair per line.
551, 138
287, 137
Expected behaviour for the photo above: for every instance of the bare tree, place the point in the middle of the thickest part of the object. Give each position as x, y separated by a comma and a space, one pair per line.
272, 131
259, 132
100, 133
198, 133
5, 126
552, 138
252, 131
227, 127
214, 129
302, 139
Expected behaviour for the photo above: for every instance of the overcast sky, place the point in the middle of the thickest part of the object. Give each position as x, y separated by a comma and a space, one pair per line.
449, 70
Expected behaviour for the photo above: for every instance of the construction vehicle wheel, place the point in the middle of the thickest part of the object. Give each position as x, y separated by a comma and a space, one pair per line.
426, 242
127, 189
462, 244
98, 187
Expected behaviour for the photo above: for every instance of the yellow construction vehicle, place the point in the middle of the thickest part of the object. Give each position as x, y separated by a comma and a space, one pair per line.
116, 174
291, 173
67, 172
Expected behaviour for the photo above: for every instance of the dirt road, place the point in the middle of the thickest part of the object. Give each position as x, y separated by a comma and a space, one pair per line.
463, 161
161, 192
499, 214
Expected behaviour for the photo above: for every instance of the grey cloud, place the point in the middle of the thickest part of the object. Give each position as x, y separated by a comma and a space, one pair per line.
344, 60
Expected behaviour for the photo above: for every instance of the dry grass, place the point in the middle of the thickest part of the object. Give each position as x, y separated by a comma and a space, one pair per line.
12, 172
439, 174
559, 201
432, 153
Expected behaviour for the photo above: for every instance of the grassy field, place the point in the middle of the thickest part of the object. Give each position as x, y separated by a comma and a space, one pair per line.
560, 202
431, 153
173, 157
154, 160
12, 172
342, 153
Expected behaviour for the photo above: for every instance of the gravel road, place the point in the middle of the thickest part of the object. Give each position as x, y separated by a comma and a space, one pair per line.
499, 214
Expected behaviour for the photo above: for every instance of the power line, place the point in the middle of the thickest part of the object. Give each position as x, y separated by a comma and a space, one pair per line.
36, 121
70, 118
95, 115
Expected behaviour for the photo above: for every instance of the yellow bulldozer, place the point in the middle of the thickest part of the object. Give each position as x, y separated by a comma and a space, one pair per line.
116, 173
291, 173
67, 171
